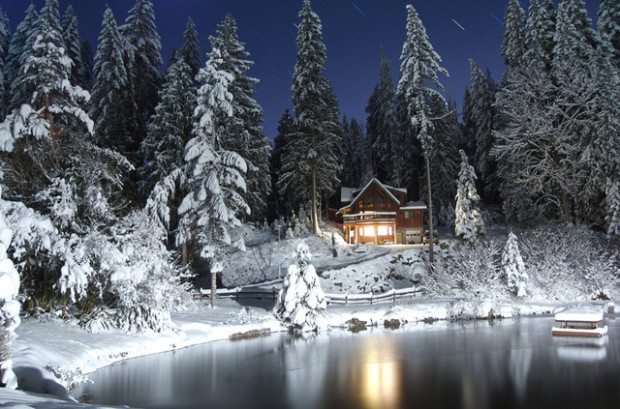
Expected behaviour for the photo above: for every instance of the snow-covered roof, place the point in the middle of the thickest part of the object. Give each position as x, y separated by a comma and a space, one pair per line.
580, 314
414, 206
384, 188
346, 194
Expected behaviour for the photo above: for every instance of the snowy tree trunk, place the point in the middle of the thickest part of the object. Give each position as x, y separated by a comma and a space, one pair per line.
430, 212
565, 207
213, 288
315, 219
184, 252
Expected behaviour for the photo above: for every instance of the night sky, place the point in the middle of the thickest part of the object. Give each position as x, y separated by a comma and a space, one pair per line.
353, 32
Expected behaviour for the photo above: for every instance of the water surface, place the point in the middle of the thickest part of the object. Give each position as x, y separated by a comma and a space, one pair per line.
503, 364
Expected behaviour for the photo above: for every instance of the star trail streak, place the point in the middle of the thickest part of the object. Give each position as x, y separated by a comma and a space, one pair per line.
457, 23
358, 9
496, 18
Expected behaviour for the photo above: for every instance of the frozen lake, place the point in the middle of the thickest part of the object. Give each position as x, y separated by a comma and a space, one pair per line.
503, 364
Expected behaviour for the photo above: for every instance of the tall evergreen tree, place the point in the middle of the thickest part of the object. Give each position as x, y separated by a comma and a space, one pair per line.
214, 202
73, 46
540, 31
382, 126
170, 128
468, 222
5, 33
19, 48
112, 107
603, 153
609, 27
312, 159
244, 133
87, 77
280, 202
190, 50
419, 82
444, 159
143, 48
46, 71
353, 153
469, 127
574, 78
513, 44
481, 117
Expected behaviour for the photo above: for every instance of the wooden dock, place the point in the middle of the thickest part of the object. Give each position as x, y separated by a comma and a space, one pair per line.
580, 322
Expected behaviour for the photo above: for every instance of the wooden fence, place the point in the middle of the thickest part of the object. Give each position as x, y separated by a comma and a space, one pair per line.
332, 298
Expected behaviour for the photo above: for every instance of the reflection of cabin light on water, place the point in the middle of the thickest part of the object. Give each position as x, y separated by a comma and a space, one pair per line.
380, 382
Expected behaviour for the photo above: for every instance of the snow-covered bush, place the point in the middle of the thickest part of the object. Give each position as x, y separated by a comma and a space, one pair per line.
513, 267
141, 282
123, 269
301, 300
466, 270
568, 264
9, 306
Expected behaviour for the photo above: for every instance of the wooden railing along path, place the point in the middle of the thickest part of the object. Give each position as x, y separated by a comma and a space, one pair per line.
332, 298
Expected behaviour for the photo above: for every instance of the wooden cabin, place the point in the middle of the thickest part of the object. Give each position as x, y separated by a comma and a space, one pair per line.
378, 214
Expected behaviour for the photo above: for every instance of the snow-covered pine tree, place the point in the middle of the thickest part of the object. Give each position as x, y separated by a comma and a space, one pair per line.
382, 126
612, 202
609, 27
468, 223
19, 49
170, 127
88, 62
513, 267
280, 202
143, 50
5, 33
353, 153
190, 50
244, 132
573, 74
45, 71
444, 158
540, 29
481, 114
73, 45
311, 163
513, 44
602, 155
301, 301
214, 202
531, 180
419, 69
112, 107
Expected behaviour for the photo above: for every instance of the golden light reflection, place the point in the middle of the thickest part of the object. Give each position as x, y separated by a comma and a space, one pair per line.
380, 383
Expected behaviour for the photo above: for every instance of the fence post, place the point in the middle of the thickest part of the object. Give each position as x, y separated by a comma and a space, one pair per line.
393, 296
346, 299
371, 295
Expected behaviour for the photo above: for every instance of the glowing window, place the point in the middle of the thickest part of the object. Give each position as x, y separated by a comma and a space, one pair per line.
369, 231
382, 231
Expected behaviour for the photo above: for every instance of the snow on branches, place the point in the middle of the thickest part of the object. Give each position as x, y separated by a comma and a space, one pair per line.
513, 267
468, 222
301, 300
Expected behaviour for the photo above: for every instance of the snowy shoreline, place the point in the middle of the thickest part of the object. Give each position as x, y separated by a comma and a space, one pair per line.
50, 357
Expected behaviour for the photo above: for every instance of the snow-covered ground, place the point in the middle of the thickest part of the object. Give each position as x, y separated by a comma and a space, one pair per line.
50, 355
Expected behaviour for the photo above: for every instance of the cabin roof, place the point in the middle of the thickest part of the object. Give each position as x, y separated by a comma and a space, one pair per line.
357, 194
414, 206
